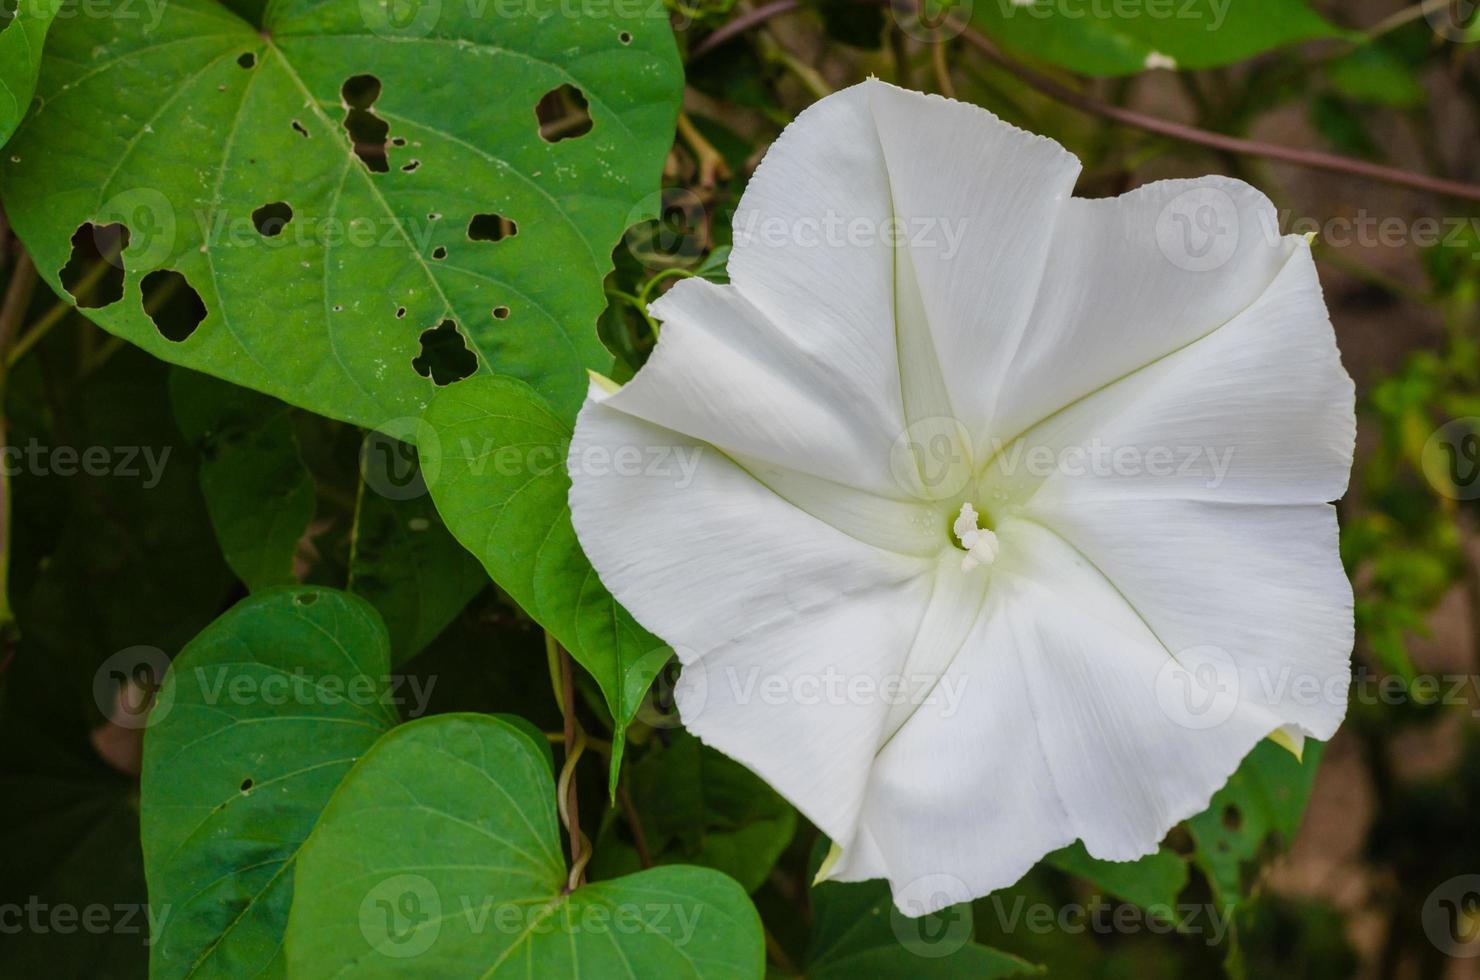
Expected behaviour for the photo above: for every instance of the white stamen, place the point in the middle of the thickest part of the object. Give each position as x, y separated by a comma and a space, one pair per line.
980, 543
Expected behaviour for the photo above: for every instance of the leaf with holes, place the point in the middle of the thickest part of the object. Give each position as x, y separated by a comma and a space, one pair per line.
1077, 34
439, 856
343, 209
22, 34
258, 720
493, 455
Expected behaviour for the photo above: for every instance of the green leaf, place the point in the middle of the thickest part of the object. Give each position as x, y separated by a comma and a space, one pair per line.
1376, 76
858, 932
258, 720
1153, 882
1084, 35
259, 494
440, 855
405, 561
493, 454
22, 35
698, 806
202, 134
1258, 810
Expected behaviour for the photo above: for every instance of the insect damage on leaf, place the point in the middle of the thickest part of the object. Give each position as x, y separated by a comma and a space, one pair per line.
444, 356
172, 303
563, 114
271, 219
93, 275
491, 228
367, 131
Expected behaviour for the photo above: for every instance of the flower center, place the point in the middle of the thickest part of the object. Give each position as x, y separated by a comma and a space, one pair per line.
979, 543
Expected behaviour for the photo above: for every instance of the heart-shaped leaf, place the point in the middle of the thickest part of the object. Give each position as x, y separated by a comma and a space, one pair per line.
1077, 35
493, 455
257, 721
22, 35
349, 208
439, 855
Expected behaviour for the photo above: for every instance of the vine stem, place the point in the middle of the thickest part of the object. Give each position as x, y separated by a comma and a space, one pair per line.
1075, 99
12, 309
565, 790
634, 824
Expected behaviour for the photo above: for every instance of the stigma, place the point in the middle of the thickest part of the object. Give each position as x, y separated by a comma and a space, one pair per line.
980, 543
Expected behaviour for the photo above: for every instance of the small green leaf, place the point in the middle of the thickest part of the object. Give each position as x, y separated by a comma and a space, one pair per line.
1259, 809
22, 35
258, 720
698, 806
1084, 36
361, 208
1153, 882
259, 494
1376, 76
493, 454
440, 856
404, 560
858, 932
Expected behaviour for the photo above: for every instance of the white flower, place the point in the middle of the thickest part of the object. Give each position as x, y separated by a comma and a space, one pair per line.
1011, 524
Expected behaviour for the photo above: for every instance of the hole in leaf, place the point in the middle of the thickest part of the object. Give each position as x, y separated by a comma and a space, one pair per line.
172, 303
299, 128
93, 274
398, 141
439, 252
306, 598
246, 784
411, 167
400, 313
1232, 819
435, 216
563, 114
367, 131
271, 219
625, 37
491, 228
500, 312
248, 60
444, 356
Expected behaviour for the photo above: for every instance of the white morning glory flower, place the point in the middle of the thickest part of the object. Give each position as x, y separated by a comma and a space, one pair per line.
1011, 522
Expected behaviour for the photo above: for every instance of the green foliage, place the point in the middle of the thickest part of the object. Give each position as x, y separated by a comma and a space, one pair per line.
258, 721
493, 454
283, 171
440, 853
23, 28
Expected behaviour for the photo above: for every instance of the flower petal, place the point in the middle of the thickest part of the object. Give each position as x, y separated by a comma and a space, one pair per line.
750, 590
1259, 410
817, 230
